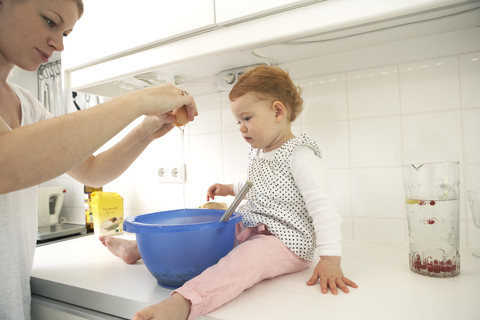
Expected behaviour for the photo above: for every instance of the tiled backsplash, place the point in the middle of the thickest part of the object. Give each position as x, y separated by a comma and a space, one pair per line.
369, 118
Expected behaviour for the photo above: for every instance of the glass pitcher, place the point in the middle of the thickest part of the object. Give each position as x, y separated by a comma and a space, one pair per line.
432, 196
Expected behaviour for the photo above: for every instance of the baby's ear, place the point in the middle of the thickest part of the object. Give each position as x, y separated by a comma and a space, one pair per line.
280, 110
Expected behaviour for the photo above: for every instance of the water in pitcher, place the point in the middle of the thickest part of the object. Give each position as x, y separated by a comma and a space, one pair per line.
433, 213
433, 228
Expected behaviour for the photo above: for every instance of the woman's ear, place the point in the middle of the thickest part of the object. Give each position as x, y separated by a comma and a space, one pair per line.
280, 110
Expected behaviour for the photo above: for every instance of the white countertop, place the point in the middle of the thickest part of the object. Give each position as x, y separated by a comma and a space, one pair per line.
83, 272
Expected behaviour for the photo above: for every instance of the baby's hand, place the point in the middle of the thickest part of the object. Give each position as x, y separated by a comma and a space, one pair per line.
331, 276
219, 190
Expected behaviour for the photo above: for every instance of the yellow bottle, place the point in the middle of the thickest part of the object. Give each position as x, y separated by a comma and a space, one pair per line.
88, 207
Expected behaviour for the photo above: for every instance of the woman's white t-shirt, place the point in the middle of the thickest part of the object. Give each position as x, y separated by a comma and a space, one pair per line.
18, 229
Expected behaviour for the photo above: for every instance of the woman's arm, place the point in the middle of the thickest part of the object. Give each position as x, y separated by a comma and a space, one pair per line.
42, 151
98, 170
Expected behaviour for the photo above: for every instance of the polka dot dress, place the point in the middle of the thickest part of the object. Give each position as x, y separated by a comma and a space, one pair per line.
275, 200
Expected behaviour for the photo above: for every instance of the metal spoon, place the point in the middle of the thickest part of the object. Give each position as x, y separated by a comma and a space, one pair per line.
236, 202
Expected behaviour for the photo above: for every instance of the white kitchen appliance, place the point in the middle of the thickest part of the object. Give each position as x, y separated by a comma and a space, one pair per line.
50, 202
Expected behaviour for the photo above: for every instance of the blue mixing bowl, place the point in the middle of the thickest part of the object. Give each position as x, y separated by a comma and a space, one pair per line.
178, 245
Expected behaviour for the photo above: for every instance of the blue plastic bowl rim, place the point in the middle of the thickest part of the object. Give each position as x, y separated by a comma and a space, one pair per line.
132, 225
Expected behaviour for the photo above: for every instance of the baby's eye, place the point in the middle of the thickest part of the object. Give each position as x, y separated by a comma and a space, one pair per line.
245, 119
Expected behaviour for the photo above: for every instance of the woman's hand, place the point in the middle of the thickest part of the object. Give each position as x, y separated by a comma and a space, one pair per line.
157, 126
160, 99
331, 276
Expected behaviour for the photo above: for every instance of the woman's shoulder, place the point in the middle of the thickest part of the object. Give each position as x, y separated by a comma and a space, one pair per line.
32, 109
20, 91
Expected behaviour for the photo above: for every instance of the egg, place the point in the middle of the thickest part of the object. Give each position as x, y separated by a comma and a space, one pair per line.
181, 116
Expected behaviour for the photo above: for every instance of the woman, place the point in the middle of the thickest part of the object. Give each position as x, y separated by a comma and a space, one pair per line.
31, 139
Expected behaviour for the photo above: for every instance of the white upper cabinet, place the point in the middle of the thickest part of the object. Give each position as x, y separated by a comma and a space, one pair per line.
228, 11
193, 40
110, 28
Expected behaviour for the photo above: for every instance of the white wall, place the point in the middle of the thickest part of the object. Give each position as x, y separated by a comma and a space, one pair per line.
371, 111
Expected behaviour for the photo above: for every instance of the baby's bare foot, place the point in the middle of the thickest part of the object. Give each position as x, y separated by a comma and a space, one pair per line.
126, 250
176, 307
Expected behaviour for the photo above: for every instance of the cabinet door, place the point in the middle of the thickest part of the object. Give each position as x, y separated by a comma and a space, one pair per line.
49, 309
114, 27
228, 11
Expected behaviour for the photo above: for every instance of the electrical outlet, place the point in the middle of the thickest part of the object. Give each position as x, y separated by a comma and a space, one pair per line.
162, 174
174, 174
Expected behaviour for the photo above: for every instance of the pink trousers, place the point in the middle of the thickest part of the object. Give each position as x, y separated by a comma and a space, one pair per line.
259, 255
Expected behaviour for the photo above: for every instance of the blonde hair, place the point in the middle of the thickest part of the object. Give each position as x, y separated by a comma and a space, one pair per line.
273, 82
80, 8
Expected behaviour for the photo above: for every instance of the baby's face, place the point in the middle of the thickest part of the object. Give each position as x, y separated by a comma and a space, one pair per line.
257, 120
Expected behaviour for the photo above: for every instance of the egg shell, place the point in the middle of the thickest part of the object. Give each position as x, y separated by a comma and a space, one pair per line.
181, 116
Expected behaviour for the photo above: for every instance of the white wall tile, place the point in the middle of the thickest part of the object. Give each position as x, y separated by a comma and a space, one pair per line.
473, 236
472, 177
77, 193
470, 79
472, 182
375, 142
199, 182
429, 85
229, 123
377, 192
153, 196
164, 152
380, 231
209, 118
373, 92
471, 134
332, 139
206, 153
324, 98
235, 152
126, 187
432, 137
